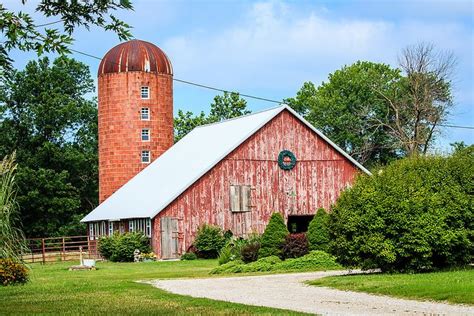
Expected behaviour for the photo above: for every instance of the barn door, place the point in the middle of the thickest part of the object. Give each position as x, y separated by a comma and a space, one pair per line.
169, 238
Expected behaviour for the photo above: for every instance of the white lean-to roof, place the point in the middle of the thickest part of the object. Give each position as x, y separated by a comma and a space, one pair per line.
159, 184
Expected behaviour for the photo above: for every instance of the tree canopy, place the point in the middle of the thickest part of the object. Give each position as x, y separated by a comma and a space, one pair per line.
20, 31
52, 124
377, 113
226, 106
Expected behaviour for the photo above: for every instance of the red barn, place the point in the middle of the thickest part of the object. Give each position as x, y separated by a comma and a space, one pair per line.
233, 174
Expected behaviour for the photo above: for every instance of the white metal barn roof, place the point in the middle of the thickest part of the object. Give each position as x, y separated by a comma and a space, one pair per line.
159, 184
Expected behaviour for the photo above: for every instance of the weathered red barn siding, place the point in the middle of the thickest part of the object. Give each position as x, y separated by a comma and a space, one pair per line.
316, 181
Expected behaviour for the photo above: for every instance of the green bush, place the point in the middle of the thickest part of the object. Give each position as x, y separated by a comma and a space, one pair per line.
189, 256
414, 215
296, 245
120, 247
273, 238
318, 231
314, 261
209, 241
12, 272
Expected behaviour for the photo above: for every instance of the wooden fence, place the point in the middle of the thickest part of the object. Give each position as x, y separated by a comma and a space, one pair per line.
66, 248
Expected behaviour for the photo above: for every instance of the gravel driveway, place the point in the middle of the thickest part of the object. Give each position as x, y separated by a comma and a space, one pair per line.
288, 291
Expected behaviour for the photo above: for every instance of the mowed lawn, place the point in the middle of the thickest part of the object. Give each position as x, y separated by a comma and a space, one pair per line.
112, 290
450, 286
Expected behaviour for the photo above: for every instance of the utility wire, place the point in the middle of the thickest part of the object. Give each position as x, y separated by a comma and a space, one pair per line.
241, 94
46, 24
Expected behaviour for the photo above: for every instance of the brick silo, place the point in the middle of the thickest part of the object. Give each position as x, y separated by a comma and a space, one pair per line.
135, 87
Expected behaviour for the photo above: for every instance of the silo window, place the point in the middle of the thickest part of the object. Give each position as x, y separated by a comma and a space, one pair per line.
146, 156
145, 92
145, 135
145, 114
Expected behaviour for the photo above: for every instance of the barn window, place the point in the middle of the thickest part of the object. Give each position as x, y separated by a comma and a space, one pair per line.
145, 114
111, 228
145, 92
145, 135
91, 231
148, 227
131, 226
102, 231
145, 156
240, 198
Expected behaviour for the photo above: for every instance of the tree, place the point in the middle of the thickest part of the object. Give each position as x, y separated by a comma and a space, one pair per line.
414, 215
273, 238
223, 107
344, 109
48, 120
423, 99
11, 237
21, 32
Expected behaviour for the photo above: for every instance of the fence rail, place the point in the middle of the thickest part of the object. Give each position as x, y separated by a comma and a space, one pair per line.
60, 248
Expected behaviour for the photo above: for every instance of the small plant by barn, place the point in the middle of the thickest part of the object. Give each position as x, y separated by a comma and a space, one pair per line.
209, 241
121, 247
318, 231
274, 237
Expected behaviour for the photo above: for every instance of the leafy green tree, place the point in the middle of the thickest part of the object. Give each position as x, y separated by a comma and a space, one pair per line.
414, 215
318, 231
345, 108
20, 31
52, 125
273, 238
226, 106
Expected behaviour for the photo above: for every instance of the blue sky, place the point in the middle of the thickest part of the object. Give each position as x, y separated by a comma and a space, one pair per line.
269, 48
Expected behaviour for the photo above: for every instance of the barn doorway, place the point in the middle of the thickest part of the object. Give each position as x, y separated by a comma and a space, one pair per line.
299, 223
169, 238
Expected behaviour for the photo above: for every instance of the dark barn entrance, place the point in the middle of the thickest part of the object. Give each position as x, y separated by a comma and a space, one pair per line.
299, 223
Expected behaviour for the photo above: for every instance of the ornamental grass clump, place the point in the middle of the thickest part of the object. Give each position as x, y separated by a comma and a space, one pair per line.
413, 215
273, 238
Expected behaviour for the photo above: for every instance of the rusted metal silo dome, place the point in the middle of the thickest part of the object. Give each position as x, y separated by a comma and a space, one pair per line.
135, 55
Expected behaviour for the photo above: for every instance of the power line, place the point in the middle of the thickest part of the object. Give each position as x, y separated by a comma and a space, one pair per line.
46, 24
240, 94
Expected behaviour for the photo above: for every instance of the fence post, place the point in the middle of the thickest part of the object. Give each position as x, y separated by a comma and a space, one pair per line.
43, 250
64, 251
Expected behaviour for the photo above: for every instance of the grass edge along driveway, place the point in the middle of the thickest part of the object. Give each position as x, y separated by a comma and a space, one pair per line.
455, 286
112, 289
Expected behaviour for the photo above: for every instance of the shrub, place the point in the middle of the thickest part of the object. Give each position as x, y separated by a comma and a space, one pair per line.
209, 241
249, 252
296, 245
189, 256
318, 231
12, 272
414, 215
273, 238
120, 247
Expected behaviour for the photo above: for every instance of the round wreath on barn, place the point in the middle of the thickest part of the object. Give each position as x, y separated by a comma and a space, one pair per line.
283, 162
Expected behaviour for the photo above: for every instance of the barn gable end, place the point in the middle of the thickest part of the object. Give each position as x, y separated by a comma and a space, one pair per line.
320, 174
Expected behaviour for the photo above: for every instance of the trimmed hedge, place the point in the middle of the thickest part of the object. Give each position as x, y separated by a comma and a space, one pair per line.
120, 247
273, 238
318, 231
12, 272
414, 215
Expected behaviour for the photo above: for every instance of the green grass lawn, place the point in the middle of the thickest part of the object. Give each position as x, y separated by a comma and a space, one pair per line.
451, 286
112, 290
